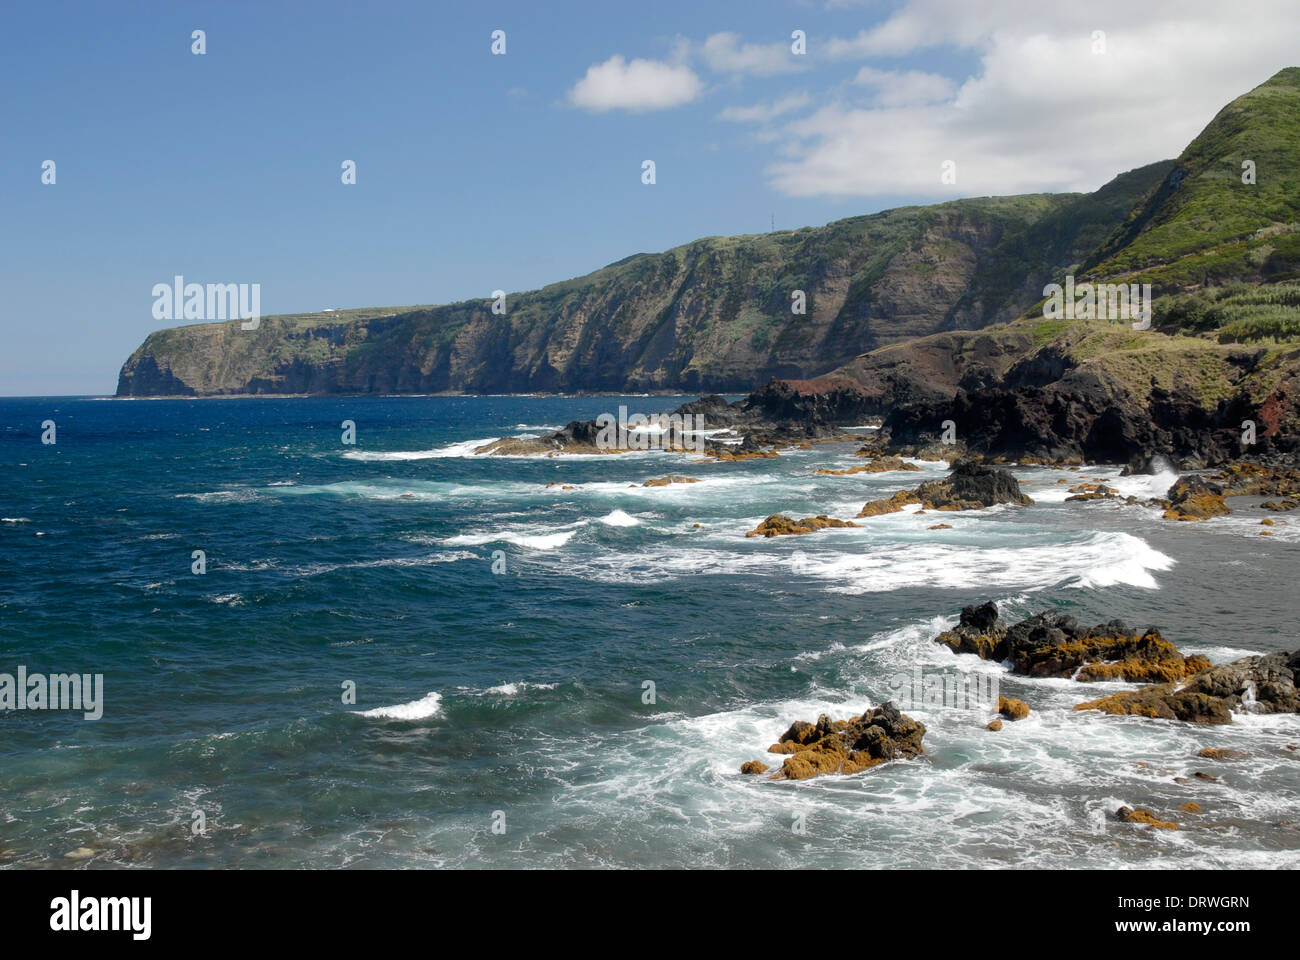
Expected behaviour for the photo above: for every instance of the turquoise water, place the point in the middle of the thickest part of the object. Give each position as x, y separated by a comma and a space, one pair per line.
515, 698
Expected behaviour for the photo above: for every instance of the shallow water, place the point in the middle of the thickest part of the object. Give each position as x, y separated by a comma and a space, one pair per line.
515, 699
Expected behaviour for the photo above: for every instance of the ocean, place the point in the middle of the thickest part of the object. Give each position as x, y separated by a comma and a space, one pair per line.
398, 654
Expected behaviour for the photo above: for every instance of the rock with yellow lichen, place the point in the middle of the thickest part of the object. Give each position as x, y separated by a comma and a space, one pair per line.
1129, 815
1192, 498
878, 465
1092, 491
1012, 709
780, 525
847, 746
1221, 753
980, 631
670, 479
969, 485
1053, 644
874, 508
1263, 684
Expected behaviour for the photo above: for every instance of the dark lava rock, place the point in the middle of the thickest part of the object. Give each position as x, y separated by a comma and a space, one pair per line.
1261, 684
1054, 644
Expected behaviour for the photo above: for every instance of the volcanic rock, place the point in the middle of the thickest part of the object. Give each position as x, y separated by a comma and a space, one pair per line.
1053, 644
1192, 498
778, 525
1260, 684
847, 746
1013, 709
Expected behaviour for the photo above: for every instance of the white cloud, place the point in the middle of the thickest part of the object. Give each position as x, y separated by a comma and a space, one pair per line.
901, 88
1041, 111
727, 53
921, 24
638, 85
765, 112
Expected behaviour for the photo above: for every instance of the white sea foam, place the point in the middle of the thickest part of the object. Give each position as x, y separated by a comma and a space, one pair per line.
513, 689
465, 448
1144, 486
617, 518
219, 496
450, 556
851, 566
1071, 771
1043, 487
722, 491
427, 706
520, 538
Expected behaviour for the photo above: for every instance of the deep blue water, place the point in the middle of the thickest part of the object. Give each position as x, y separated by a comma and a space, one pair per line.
516, 697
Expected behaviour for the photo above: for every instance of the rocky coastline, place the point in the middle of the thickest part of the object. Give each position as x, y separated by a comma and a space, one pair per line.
1167, 685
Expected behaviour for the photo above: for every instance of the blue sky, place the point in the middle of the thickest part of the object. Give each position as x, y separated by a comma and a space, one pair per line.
477, 172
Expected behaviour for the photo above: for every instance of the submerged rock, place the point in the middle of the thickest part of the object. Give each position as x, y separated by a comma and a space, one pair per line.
1129, 815
847, 746
877, 465
1092, 491
1221, 753
670, 479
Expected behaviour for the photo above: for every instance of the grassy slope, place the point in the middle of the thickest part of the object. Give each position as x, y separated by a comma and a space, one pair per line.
1210, 228
1221, 255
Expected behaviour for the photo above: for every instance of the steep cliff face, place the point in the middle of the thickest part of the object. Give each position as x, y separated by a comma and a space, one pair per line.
1222, 256
717, 314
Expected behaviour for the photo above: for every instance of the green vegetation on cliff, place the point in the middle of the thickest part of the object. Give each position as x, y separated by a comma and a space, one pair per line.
1202, 224
714, 314
886, 297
